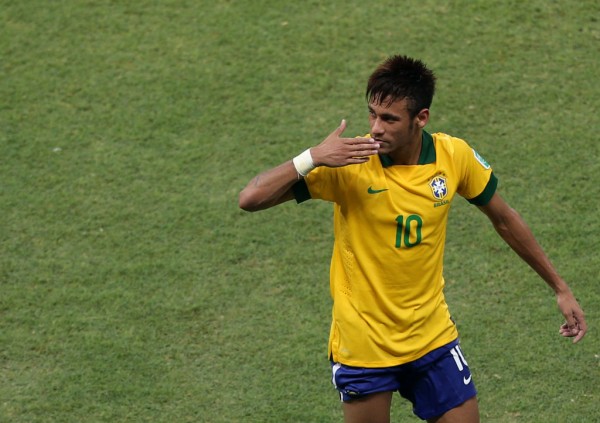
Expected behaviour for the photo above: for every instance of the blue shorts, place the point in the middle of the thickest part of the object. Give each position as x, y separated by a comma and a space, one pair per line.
435, 383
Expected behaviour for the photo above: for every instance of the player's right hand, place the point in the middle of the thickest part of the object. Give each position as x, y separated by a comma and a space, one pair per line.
336, 151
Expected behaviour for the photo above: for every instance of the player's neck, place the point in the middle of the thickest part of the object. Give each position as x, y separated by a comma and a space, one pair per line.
408, 154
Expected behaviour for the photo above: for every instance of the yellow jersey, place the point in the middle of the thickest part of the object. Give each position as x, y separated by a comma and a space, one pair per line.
390, 221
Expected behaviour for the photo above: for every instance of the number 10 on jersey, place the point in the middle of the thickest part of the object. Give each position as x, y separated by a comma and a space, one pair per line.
408, 231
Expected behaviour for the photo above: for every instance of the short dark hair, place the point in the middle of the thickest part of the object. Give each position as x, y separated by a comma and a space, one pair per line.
401, 77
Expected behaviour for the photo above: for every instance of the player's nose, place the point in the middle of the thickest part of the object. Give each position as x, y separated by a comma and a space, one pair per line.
376, 127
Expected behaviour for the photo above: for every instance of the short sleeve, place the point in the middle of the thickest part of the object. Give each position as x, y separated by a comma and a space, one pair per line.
478, 182
320, 183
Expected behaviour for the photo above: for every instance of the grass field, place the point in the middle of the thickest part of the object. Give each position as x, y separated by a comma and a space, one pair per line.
133, 289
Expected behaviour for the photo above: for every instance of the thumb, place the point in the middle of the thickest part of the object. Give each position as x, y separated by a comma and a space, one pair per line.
340, 129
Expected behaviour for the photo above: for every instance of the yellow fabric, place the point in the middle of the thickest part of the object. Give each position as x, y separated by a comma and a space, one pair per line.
386, 269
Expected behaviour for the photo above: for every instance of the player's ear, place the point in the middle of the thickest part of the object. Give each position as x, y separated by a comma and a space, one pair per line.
422, 118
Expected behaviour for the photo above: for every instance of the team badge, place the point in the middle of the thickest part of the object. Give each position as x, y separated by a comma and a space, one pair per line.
438, 186
481, 160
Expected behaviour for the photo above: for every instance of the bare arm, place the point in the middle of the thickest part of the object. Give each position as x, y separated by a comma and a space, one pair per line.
515, 232
274, 186
270, 188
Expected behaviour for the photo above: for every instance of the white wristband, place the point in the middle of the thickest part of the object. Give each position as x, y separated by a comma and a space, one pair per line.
303, 163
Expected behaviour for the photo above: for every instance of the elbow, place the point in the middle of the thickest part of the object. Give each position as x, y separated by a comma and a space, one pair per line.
247, 202
252, 200
505, 223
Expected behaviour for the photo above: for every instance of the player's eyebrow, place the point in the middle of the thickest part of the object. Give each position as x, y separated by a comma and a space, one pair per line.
385, 116
390, 116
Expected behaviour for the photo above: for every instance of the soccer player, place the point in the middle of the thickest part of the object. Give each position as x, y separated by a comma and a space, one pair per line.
392, 189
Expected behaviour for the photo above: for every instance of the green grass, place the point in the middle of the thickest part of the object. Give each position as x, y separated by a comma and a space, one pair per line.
135, 290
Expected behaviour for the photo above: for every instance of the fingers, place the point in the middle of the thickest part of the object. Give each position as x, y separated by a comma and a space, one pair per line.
362, 152
575, 328
571, 332
363, 146
582, 329
336, 150
578, 337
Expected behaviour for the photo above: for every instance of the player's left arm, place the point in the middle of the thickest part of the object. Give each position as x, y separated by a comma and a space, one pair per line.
515, 232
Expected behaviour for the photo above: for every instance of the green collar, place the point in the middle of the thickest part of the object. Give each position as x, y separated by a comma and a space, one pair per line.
427, 155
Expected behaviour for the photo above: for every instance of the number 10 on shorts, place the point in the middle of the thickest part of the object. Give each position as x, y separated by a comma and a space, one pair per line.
461, 363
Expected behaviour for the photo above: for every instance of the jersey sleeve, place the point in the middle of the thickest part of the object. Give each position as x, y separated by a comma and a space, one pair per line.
478, 182
320, 184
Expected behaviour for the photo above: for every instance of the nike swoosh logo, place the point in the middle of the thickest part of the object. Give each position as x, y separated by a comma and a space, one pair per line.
375, 191
467, 380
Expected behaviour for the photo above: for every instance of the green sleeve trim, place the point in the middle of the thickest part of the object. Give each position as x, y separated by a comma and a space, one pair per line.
300, 190
487, 193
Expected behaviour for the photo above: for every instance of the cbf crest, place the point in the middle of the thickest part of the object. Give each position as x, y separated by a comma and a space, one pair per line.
438, 186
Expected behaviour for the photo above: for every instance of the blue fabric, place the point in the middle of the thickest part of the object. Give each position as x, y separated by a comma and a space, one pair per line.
435, 383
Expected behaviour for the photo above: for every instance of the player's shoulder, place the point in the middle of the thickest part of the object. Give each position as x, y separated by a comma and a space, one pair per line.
449, 143
458, 150
448, 140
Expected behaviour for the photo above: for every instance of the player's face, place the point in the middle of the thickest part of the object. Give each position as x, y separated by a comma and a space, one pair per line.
392, 126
